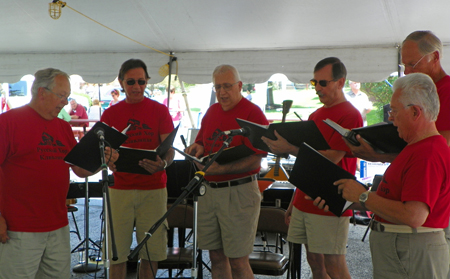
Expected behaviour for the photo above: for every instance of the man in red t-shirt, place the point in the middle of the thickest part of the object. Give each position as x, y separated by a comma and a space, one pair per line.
78, 112
228, 212
412, 202
139, 200
421, 53
324, 234
34, 180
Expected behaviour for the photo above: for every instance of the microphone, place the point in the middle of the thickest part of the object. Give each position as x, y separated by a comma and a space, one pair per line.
183, 141
100, 134
244, 131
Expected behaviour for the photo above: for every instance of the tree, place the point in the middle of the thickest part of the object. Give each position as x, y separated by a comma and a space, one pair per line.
379, 93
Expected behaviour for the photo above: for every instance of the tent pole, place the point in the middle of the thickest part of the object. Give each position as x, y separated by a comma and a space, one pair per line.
399, 61
188, 109
171, 59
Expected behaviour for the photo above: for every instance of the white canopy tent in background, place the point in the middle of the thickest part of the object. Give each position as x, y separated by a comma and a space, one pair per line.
259, 37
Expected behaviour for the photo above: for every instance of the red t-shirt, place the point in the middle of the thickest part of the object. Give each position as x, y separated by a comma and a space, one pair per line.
149, 120
443, 90
421, 172
80, 111
217, 120
348, 117
34, 178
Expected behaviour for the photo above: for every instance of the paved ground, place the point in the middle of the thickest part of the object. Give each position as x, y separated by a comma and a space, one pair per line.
358, 257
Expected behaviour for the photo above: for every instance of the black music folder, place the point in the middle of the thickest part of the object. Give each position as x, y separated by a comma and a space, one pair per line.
86, 154
383, 137
129, 157
228, 155
315, 174
294, 132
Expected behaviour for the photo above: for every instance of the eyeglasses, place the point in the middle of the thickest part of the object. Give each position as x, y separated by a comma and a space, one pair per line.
393, 112
413, 66
61, 97
133, 82
322, 82
225, 86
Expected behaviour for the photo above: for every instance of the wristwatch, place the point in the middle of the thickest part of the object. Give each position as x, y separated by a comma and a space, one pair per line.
363, 198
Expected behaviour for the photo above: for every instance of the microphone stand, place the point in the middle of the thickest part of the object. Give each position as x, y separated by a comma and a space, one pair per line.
192, 187
107, 210
86, 267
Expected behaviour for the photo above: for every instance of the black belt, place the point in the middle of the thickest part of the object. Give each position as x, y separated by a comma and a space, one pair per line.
232, 183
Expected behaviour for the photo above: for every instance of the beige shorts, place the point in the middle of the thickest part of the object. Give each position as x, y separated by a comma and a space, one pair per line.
140, 208
228, 218
322, 234
36, 255
409, 255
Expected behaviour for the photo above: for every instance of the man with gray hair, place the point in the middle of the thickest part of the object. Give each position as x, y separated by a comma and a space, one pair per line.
412, 202
421, 53
228, 212
34, 180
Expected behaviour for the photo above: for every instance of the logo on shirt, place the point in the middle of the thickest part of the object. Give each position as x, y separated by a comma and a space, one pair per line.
215, 136
139, 132
51, 149
136, 125
48, 140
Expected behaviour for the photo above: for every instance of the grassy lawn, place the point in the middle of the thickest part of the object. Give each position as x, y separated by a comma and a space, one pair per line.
374, 116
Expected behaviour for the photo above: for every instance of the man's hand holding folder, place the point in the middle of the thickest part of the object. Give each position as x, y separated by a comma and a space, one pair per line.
307, 175
379, 142
349, 189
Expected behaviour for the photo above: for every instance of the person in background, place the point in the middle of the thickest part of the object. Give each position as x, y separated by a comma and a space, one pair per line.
64, 115
412, 202
115, 93
175, 109
359, 99
249, 95
324, 235
139, 200
228, 212
34, 181
77, 111
94, 112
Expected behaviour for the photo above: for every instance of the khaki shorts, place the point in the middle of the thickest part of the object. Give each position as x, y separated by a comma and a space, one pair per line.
228, 218
36, 255
409, 255
322, 234
140, 208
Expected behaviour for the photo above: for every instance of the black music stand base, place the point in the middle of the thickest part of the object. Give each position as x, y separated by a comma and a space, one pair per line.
86, 268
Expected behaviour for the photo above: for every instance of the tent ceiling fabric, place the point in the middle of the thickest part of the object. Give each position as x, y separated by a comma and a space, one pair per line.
259, 37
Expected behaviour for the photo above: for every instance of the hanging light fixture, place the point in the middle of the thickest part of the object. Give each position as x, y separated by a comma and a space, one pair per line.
54, 8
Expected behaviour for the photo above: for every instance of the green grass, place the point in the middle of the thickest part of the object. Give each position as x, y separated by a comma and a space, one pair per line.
374, 116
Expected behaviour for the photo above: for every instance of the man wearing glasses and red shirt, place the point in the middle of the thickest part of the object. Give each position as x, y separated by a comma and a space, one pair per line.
324, 235
228, 212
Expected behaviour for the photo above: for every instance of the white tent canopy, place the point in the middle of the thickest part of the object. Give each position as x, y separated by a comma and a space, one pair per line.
259, 37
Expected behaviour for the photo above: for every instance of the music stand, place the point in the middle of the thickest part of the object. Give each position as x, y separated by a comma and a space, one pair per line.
85, 267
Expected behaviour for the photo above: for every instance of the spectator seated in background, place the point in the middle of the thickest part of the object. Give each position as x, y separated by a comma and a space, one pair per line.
77, 112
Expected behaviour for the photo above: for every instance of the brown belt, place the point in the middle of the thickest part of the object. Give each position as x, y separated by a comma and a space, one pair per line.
391, 228
232, 183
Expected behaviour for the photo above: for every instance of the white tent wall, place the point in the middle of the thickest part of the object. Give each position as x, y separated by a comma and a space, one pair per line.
259, 37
